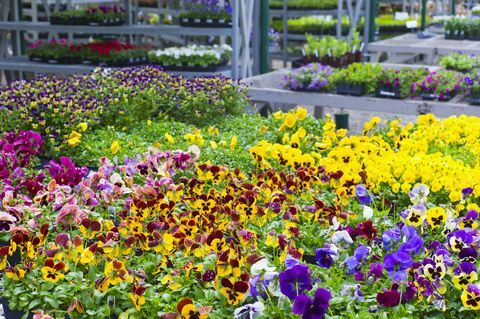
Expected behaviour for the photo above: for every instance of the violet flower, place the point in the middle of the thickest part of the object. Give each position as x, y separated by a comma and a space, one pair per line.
312, 309
295, 281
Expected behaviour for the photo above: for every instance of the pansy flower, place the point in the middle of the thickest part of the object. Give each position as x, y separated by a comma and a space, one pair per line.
459, 240
312, 308
295, 280
464, 274
233, 290
436, 217
397, 264
415, 215
325, 256
52, 271
471, 297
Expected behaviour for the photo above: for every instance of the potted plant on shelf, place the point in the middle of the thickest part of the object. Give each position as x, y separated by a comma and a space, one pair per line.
356, 79
310, 78
192, 58
459, 62
206, 13
471, 86
69, 17
474, 30
396, 84
105, 15
442, 85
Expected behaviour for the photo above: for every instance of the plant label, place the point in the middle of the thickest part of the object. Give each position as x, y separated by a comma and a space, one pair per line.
412, 24
401, 16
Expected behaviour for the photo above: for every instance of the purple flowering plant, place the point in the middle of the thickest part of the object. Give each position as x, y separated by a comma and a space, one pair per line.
313, 77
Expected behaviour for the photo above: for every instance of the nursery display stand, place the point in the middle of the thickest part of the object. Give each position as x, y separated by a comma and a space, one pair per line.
409, 45
267, 88
239, 33
354, 10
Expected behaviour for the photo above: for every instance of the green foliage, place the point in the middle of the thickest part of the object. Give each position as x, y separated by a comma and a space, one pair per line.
330, 45
359, 74
247, 129
459, 62
305, 4
312, 24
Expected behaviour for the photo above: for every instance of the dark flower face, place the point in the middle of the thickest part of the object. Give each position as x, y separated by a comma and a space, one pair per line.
312, 309
396, 264
324, 257
388, 298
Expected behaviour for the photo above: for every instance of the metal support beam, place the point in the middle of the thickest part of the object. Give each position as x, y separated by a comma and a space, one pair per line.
424, 15
372, 15
264, 26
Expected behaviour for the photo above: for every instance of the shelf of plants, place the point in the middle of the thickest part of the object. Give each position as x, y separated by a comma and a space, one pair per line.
431, 47
195, 210
93, 16
367, 86
330, 51
100, 20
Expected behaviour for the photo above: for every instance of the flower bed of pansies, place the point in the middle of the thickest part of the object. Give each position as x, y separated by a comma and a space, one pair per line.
364, 79
380, 225
62, 109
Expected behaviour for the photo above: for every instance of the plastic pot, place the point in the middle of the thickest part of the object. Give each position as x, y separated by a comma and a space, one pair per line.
341, 120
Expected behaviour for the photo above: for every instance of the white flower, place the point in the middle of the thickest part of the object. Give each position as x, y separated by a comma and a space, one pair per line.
342, 236
261, 267
367, 212
250, 311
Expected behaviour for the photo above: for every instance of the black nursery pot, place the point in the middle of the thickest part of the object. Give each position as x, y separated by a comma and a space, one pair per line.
16, 258
348, 89
341, 120
475, 98
12, 314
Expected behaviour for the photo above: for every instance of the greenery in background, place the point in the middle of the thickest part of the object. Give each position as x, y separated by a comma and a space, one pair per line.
90, 15
365, 75
401, 79
329, 45
305, 4
459, 62
198, 55
312, 24
386, 20
228, 142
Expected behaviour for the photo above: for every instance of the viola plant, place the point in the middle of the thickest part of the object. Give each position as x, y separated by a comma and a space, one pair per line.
62, 110
312, 77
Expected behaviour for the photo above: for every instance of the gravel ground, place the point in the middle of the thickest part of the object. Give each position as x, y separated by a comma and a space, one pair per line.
357, 118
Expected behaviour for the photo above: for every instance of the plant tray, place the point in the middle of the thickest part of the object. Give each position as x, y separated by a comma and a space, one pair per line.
108, 23
344, 60
389, 93
193, 68
475, 100
81, 21
9, 313
455, 37
347, 89
431, 97
205, 23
